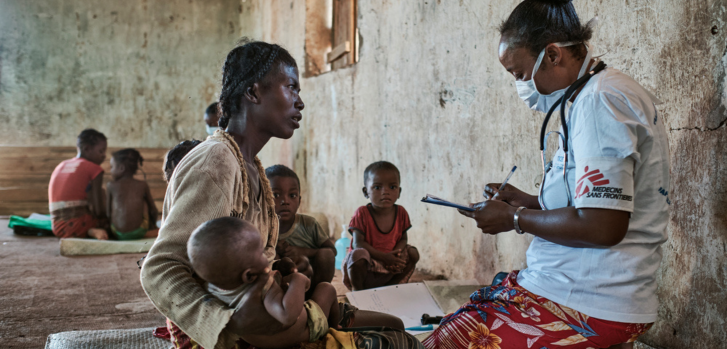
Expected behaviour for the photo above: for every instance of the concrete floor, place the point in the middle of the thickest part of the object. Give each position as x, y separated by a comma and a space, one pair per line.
43, 292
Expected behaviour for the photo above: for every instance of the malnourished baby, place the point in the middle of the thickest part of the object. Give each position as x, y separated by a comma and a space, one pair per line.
227, 253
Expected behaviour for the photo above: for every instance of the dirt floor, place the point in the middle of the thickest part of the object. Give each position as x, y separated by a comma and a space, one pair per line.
43, 292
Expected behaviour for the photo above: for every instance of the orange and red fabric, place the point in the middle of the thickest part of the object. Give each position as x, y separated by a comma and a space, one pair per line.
68, 191
508, 316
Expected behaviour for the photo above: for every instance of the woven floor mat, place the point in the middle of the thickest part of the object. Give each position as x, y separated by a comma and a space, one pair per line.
80, 247
106, 339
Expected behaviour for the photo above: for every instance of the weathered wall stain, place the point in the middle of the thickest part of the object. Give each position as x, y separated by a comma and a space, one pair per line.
694, 268
399, 104
140, 71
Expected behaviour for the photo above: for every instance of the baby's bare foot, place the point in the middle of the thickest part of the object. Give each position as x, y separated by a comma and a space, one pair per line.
98, 234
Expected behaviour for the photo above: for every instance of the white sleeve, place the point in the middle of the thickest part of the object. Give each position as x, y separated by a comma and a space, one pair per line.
605, 141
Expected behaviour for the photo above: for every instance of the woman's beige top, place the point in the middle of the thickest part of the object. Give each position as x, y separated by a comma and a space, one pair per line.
210, 182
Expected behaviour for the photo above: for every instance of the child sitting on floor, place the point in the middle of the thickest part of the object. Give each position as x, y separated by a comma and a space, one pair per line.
301, 237
227, 253
75, 191
175, 155
379, 253
126, 197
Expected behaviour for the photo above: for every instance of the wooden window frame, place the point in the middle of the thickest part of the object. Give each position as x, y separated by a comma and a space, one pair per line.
344, 34
331, 35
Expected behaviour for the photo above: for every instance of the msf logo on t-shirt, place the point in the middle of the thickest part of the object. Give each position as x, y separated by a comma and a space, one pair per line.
590, 180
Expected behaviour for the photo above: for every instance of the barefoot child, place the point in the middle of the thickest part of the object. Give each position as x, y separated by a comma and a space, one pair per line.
126, 197
301, 237
380, 255
227, 253
75, 192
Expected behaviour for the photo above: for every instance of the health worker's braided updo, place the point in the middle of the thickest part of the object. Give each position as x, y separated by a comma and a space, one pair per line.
534, 24
246, 64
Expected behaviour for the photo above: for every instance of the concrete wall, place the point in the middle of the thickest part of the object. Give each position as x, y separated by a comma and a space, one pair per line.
430, 95
141, 71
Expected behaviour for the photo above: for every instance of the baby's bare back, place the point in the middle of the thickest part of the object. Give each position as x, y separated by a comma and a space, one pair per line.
264, 331
127, 203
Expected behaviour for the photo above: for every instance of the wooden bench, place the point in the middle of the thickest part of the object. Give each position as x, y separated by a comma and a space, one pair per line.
25, 173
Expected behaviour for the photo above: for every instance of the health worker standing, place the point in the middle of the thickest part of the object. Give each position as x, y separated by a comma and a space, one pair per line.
598, 226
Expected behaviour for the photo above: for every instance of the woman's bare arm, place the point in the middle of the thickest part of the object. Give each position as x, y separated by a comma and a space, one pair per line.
568, 226
96, 197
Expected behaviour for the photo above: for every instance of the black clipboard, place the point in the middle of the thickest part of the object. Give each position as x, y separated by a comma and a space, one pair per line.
431, 199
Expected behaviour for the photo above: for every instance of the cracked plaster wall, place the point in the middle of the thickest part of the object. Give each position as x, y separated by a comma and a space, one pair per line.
140, 71
430, 95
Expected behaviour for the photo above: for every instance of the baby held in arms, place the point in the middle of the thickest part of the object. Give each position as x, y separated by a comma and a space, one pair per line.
227, 253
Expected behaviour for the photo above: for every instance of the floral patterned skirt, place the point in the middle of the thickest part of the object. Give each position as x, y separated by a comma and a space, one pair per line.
508, 316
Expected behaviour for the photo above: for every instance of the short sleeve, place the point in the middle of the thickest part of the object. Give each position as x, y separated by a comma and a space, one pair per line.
405, 222
358, 221
94, 170
605, 149
91, 170
320, 236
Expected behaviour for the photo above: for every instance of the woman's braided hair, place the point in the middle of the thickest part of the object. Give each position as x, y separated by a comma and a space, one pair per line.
534, 24
129, 157
246, 64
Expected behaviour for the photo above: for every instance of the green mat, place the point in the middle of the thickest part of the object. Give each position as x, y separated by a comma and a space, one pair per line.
82, 247
35, 225
31, 222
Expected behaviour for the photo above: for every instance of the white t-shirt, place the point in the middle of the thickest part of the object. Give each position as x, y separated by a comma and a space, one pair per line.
620, 157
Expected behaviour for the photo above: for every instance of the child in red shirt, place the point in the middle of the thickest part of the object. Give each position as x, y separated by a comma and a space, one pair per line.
75, 193
379, 253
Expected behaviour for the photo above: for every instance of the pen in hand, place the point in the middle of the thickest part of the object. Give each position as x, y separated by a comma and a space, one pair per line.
502, 186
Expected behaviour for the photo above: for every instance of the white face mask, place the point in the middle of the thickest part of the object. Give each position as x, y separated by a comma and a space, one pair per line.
210, 129
529, 93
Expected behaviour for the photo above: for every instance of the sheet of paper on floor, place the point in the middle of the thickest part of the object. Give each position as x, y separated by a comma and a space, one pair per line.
451, 294
407, 301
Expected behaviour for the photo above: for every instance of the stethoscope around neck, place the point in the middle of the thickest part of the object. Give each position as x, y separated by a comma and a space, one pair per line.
564, 137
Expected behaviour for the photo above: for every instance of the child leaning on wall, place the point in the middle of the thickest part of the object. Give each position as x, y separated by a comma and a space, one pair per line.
75, 191
301, 237
126, 198
379, 254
